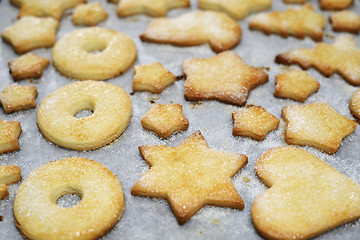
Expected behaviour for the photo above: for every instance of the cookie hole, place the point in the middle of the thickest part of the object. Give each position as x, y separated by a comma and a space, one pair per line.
84, 113
95, 48
69, 200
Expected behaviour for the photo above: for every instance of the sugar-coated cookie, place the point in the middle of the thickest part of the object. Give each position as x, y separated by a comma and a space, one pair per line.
355, 105
345, 21
317, 125
8, 175
195, 28
38, 216
152, 78
165, 119
9, 134
335, 4
31, 32
28, 66
190, 176
89, 14
237, 9
254, 122
224, 77
297, 85
16, 98
306, 196
295, 22
342, 57
155, 8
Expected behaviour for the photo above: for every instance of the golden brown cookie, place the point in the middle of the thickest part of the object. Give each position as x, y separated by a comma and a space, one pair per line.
317, 125
8, 175
335, 4
224, 77
342, 57
237, 9
296, 84
16, 98
190, 176
9, 134
31, 32
355, 105
195, 28
254, 122
165, 119
45, 8
155, 8
306, 196
296, 22
28, 66
295, 1
89, 14
345, 21
152, 78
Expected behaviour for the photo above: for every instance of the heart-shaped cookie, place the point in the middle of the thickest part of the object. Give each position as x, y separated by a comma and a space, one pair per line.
306, 197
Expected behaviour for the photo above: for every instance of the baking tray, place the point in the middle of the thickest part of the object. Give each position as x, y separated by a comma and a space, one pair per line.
146, 218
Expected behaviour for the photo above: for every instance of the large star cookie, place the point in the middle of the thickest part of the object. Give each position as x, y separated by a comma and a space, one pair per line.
317, 125
31, 32
195, 28
342, 57
155, 8
190, 176
295, 22
9, 133
237, 9
8, 175
28, 66
165, 119
224, 77
16, 98
45, 8
345, 21
306, 197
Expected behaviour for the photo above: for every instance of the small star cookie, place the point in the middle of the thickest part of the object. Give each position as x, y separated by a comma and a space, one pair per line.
297, 85
152, 78
237, 9
31, 32
345, 21
295, 22
45, 8
355, 105
190, 176
155, 8
254, 122
165, 119
195, 28
306, 196
16, 98
9, 133
28, 66
89, 14
8, 175
224, 77
342, 57
335, 4
317, 125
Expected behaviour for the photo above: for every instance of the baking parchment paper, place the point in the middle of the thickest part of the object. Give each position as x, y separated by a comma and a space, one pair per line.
146, 218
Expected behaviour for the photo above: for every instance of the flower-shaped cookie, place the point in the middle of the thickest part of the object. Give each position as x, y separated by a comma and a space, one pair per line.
16, 98
9, 133
28, 66
89, 14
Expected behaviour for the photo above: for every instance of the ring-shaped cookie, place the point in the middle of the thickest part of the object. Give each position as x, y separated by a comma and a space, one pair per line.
93, 54
38, 216
111, 107
355, 105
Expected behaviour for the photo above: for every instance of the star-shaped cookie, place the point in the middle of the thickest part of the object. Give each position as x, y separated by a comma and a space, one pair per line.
237, 9
9, 133
317, 125
296, 84
165, 119
190, 176
152, 78
16, 98
306, 196
354, 105
45, 8
28, 66
335, 4
254, 122
224, 77
155, 8
8, 175
295, 22
31, 32
345, 21
342, 57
